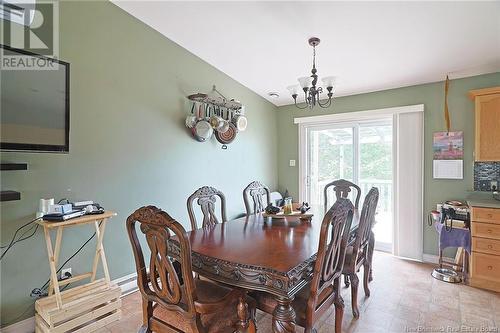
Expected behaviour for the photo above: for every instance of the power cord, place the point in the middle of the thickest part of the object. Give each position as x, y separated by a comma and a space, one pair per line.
13, 241
67, 260
38, 292
30, 306
22, 238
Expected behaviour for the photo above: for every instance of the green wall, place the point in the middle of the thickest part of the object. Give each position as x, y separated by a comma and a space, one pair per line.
128, 144
432, 96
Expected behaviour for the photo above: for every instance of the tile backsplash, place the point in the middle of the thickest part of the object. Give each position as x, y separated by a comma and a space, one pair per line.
484, 172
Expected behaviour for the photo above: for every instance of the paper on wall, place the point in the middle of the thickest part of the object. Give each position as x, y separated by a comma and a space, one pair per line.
448, 149
448, 169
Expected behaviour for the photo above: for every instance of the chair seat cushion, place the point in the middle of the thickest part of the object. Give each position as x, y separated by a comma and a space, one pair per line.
267, 302
222, 321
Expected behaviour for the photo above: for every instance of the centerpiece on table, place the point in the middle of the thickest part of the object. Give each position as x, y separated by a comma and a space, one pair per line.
288, 210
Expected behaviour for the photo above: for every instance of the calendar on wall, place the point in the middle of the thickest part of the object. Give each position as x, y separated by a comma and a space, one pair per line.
448, 161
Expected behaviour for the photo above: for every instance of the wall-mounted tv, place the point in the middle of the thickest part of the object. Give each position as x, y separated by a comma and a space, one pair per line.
34, 113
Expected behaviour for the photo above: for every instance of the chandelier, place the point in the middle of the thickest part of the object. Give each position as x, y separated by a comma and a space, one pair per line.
312, 92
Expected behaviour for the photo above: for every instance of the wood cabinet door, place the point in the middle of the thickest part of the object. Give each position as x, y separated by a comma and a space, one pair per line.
485, 266
487, 116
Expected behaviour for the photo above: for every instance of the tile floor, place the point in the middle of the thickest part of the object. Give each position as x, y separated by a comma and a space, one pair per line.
404, 298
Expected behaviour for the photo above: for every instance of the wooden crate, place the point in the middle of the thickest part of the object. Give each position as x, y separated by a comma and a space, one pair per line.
85, 308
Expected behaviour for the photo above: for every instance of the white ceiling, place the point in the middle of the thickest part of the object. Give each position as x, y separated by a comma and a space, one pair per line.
369, 46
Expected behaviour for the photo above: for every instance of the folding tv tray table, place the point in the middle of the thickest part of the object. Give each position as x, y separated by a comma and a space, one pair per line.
84, 308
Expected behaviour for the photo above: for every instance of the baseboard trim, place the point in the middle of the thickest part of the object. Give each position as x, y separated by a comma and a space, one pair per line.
127, 283
24, 326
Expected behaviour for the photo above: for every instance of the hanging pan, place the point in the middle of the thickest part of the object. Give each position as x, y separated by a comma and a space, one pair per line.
240, 121
227, 136
191, 119
202, 131
225, 122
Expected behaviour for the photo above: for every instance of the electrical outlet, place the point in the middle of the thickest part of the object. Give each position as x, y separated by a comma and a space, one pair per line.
292, 163
494, 185
63, 273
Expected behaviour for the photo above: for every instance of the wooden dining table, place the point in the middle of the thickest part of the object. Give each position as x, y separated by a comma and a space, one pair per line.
260, 253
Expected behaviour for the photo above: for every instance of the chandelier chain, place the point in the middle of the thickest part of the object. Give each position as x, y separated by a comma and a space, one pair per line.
314, 57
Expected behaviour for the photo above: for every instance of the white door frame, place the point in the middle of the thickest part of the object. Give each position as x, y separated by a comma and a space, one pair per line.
336, 120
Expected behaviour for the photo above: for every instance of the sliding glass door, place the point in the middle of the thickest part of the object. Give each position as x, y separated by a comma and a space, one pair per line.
375, 170
359, 152
331, 156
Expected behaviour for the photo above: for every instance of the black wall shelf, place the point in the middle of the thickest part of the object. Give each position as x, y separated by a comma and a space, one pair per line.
13, 166
10, 195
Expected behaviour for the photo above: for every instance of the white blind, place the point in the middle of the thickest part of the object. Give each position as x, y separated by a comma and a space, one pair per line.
408, 233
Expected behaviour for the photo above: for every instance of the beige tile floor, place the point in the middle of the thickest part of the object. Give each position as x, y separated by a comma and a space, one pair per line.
404, 298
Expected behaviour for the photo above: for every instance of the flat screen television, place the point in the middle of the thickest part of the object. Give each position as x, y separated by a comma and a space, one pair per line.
34, 113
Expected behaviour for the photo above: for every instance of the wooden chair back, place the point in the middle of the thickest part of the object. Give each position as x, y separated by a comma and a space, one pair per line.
175, 291
366, 222
256, 191
342, 187
206, 198
333, 240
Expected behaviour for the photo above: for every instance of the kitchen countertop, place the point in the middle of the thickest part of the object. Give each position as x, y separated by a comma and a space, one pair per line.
482, 199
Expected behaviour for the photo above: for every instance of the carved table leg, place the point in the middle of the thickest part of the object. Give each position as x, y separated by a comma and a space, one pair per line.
284, 316
245, 325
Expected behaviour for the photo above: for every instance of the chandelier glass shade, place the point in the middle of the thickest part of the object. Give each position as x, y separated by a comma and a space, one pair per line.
313, 92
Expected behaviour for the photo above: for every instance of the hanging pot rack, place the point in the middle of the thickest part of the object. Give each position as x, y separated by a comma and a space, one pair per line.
216, 116
220, 101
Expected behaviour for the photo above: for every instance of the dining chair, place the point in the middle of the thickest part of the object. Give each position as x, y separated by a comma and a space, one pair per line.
206, 198
360, 252
256, 191
341, 187
181, 303
323, 290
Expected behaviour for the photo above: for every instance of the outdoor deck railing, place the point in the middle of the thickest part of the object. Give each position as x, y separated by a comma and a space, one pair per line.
384, 187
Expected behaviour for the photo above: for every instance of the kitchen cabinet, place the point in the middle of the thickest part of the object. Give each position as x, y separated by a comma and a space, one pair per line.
485, 258
487, 124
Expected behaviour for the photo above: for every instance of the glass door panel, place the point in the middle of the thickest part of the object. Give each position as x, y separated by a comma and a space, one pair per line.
358, 152
331, 156
375, 170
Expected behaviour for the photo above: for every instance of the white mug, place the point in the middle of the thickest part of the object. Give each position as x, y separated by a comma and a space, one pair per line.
43, 206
